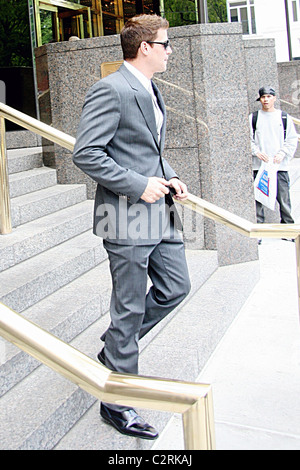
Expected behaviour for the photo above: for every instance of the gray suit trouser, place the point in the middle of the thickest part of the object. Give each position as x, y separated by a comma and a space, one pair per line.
133, 311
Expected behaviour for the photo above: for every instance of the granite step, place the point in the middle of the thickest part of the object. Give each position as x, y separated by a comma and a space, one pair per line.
45, 201
39, 235
31, 180
58, 404
26, 283
22, 138
65, 313
23, 159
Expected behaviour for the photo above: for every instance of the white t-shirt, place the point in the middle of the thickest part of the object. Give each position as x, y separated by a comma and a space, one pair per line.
269, 138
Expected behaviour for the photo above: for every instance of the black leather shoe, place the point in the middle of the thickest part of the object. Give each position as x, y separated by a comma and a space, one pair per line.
128, 422
101, 356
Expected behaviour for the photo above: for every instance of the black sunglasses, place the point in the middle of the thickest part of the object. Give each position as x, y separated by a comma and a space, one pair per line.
166, 44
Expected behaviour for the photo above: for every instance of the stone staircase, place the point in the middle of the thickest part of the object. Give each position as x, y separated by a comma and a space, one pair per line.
54, 271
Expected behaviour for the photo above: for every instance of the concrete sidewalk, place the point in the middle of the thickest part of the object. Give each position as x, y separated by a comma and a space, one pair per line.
255, 370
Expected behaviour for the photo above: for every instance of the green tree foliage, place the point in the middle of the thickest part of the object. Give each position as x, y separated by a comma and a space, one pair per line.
46, 26
180, 12
15, 48
217, 11
183, 12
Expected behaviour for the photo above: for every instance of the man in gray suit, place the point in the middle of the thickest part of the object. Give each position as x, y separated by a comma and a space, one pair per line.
119, 144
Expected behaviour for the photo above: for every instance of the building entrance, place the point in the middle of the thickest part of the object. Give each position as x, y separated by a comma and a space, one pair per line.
58, 20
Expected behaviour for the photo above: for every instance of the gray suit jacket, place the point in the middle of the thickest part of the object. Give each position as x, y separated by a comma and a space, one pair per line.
117, 146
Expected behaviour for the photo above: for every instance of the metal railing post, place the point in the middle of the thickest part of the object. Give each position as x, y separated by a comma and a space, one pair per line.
5, 215
198, 425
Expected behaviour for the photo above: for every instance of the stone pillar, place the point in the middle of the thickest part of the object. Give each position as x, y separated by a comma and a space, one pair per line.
208, 139
261, 69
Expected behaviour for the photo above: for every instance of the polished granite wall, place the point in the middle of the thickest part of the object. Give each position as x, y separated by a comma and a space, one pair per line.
206, 92
261, 68
289, 84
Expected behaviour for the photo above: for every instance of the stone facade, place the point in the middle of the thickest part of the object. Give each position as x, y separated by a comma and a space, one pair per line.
289, 83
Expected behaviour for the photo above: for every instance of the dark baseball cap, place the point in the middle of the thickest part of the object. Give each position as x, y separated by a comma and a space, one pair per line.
266, 90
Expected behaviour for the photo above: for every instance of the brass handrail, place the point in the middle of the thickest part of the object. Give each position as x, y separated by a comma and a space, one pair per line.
33, 125
192, 400
37, 127
297, 122
238, 224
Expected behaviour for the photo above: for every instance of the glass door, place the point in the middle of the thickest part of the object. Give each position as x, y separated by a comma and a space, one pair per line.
49, 24
58, 20
112, 16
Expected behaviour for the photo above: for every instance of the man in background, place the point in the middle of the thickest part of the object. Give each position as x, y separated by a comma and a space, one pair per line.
273, 137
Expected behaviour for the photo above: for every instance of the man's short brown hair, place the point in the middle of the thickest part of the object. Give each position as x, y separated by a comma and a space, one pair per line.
140, 28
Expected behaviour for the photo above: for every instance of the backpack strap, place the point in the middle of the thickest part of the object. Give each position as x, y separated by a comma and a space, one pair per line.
254, 121
284, 122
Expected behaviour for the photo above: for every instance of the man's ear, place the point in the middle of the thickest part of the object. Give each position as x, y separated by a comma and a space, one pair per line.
145, 47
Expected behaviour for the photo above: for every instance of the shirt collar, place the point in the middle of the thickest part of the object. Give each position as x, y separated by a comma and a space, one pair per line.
139, 75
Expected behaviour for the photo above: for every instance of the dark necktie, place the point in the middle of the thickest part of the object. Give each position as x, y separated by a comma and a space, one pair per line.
174, 217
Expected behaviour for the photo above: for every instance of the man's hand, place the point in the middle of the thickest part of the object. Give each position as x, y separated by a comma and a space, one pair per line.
180, 188
155, 189
262, 156
278, 158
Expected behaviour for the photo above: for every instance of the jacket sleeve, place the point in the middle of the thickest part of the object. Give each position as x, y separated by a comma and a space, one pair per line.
98, 124
169, 172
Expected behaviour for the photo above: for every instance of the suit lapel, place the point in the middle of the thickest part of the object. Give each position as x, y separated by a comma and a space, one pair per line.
146, 106
163, 109
144, 102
